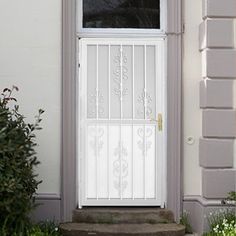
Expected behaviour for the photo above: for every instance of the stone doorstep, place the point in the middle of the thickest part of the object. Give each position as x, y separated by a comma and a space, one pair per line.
123, 215
122, 221
82, 229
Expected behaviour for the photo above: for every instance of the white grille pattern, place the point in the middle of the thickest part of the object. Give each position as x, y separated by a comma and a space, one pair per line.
122, 91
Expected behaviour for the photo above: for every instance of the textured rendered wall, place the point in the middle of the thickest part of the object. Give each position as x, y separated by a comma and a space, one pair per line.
212, 68
30, 57
217, 101
216, 38
191, 111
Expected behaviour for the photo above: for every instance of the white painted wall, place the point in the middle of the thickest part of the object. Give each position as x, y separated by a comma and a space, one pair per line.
191, 111
30, 58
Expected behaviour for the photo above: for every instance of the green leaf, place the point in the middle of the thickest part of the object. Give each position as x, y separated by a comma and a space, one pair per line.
18, 181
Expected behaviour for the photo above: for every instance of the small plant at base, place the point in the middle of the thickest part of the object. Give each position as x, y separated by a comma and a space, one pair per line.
222, 223
47, 228
18, 159
184, 220
231, 200
232, 196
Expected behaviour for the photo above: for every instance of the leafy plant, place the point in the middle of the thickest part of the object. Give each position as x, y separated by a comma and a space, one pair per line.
46, 228
184, 220
222, 223
232, 196
18, 159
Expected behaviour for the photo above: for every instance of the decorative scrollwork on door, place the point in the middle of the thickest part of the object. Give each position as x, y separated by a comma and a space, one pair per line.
144, 144
94, 108
121, 91
120, 167
96, 144
142, 102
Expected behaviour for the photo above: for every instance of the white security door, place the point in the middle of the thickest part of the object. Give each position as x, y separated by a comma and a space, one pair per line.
122, 122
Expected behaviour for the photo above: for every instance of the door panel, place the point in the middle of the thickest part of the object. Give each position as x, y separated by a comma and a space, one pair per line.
122, 144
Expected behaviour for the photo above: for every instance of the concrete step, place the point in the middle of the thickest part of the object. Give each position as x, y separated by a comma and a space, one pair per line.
123, 215
83, 229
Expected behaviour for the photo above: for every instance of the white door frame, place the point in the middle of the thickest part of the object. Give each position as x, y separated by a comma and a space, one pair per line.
160, 107
69, 184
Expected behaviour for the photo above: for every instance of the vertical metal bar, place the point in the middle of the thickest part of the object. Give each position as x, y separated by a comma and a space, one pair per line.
162, 134
84, 126
133, 116
133, 105
121, 114
145, 116
144, 160
108, 161
145, 82
97, 94
108, 125
97, 90
109, 81
160, 161
121, 81
79, 131
156, 130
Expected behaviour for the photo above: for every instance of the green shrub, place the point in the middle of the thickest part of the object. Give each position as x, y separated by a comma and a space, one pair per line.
18, 181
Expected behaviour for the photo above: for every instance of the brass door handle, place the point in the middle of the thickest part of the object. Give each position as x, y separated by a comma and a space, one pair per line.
159, 121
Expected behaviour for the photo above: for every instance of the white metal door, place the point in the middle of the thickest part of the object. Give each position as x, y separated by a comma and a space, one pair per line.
122, 122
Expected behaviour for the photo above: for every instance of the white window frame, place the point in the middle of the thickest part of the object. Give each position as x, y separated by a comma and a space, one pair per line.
121, 32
